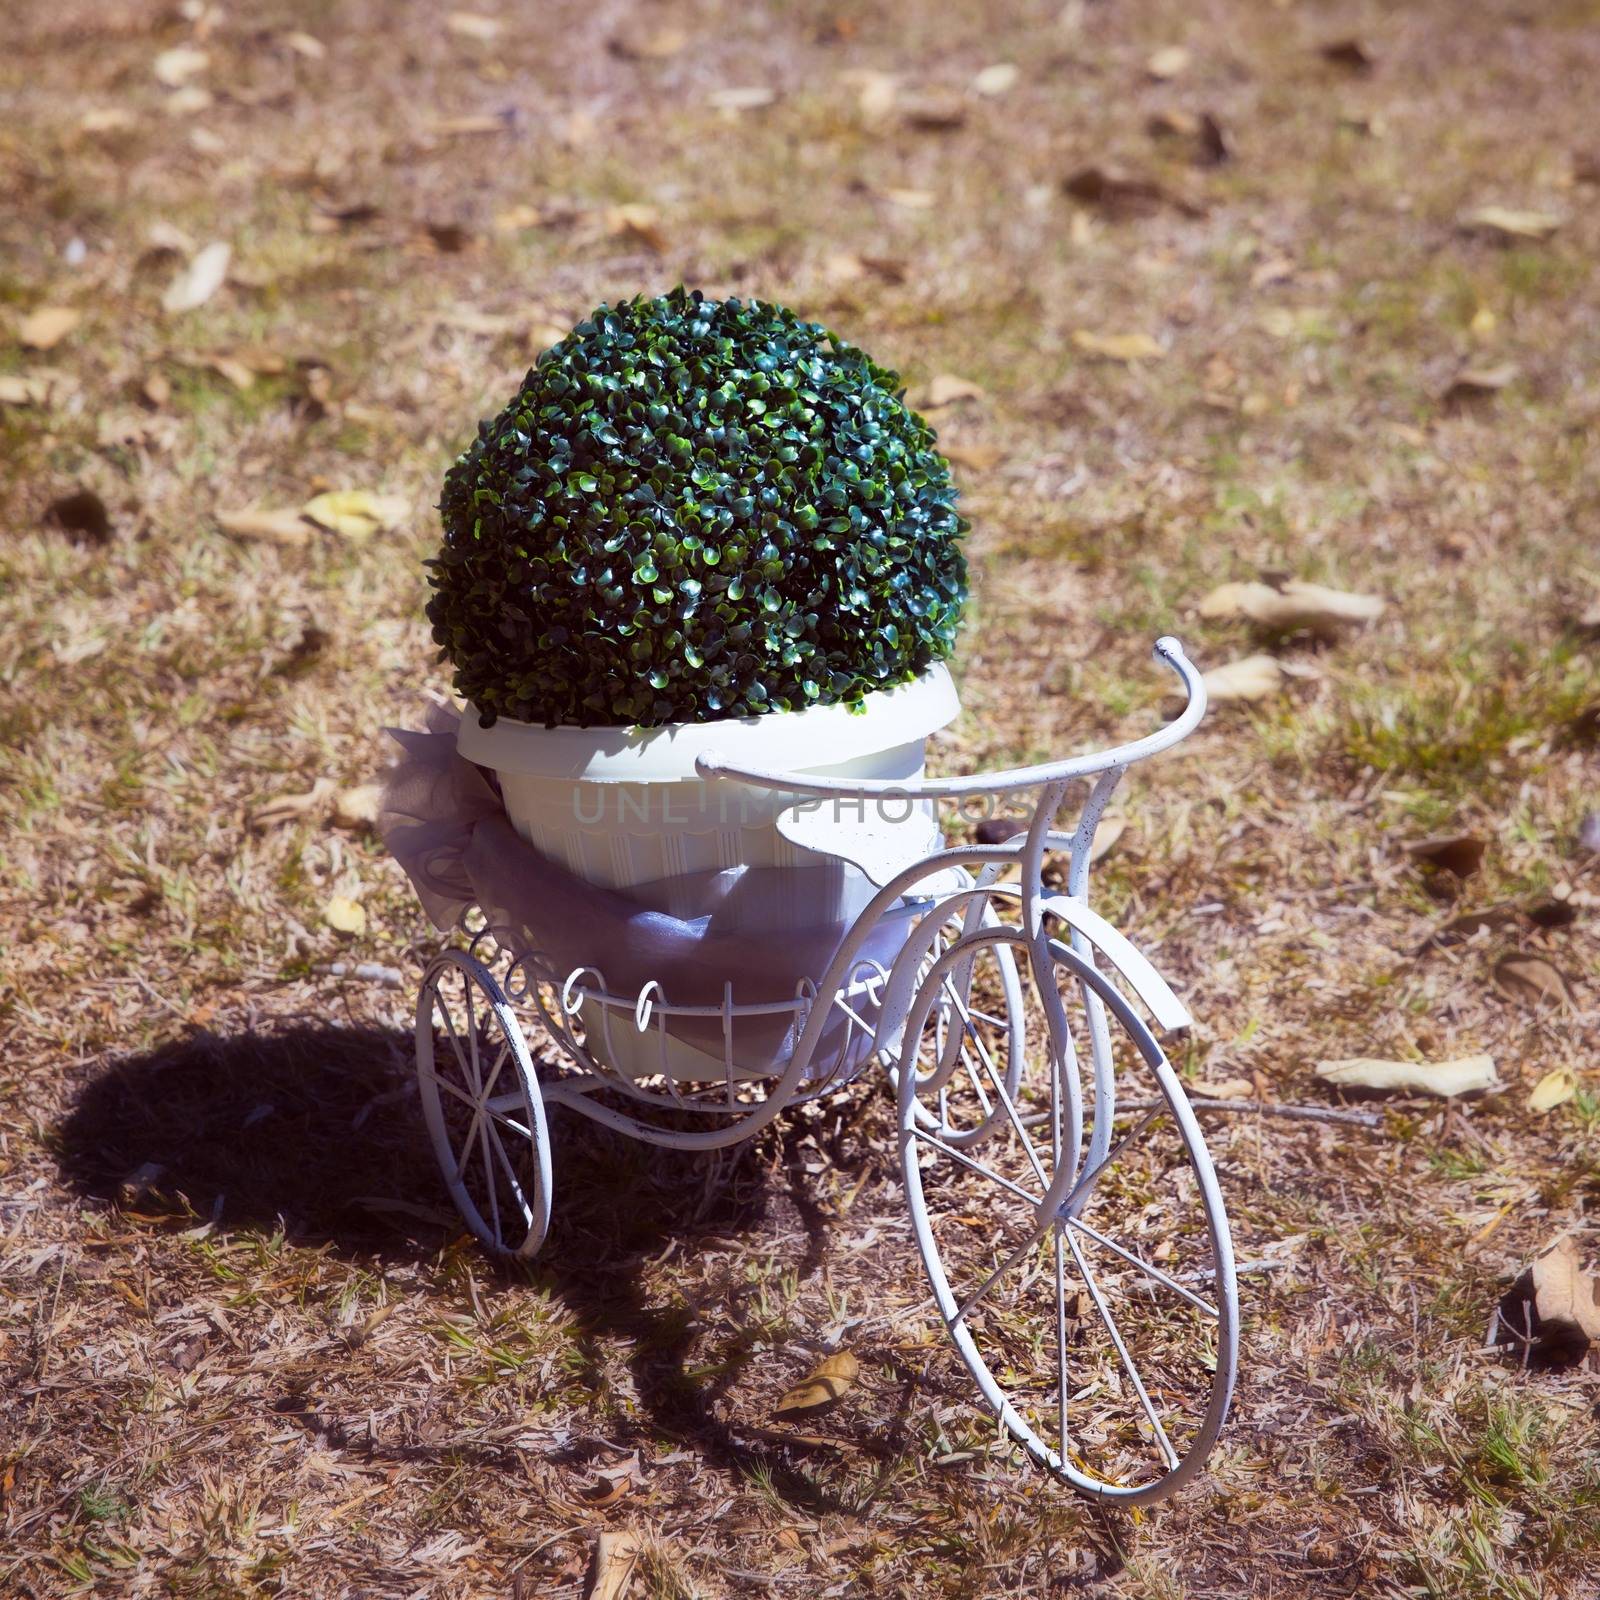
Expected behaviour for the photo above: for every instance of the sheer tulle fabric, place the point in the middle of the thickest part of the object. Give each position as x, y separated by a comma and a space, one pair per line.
759, 930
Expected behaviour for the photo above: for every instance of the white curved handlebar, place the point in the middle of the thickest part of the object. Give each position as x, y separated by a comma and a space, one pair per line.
1167, 650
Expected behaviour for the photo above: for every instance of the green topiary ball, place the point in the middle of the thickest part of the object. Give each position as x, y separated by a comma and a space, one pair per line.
696, 509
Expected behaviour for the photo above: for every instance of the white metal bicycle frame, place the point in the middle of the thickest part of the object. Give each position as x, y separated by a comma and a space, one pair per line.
744, 1107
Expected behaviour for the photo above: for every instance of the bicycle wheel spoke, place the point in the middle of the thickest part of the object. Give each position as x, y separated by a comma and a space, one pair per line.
490, 1181
465, 1153
506, 1163
472, 1033
499, 1062
999, 1272
1084, 1187
1004, 1097
1134, 1259
450, 1088
455, 1042
1168, 1453
976, 1166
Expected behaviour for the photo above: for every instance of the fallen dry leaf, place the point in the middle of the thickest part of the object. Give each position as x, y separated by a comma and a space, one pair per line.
1532, 979
1001, 78
980, 457
45, 328
1466, 1075
752, 97
470, 25
1506, 223
1460, 853
1123, 193
356, 513
1251, 678
1168, 63
638, 223
1124, 347
305, 45
470, 126
1202, 129
1227, 1089
281, 808
358, 807
514, 219
935, 114
287, 528
1474, 382
188, 101
29, 388
648, 44
911, 199
1553, 1089
1553, 1308
345, 915
616, 1559
199, 280
107, 119
1291, 605
822, 1387
177, 66
1350, 53
1468, 923
876, 92
946, 389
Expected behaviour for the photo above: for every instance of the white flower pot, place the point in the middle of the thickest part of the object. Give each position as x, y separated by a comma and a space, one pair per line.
624, 807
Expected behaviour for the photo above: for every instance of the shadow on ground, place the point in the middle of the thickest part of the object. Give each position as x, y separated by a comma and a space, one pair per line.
317, 1130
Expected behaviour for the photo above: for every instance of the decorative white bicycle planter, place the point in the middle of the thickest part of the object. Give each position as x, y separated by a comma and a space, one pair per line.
1077, 1247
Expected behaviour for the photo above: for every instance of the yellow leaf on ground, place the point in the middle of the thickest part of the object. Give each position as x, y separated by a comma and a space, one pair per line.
1127, 347
1465, 1075
639, 223
274, 527
616, 1558
177, 66
358, 807
999, 79
655, 44
1168, 63
823, 1387
515, 218
45, 328
876, 92
30, 388
107, 119
470, 25
1251, 678
198, 281
1507, 223
469, 126
286, 807
356, 513
946, 389
345, 915
1553, 1089
1291, 605
749, 98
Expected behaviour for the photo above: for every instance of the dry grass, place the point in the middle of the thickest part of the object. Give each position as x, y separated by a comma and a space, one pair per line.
272, 1365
